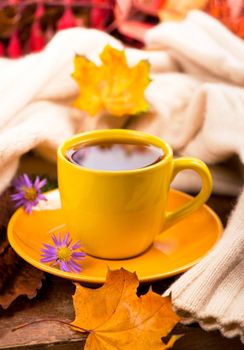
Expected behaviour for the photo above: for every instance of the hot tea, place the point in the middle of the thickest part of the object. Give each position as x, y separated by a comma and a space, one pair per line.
114, 156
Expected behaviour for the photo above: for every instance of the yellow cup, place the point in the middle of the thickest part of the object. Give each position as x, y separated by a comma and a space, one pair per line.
117, 214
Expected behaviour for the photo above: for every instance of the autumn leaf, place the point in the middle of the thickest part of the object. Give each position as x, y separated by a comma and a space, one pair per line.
125, 21
6, 210
116, 318
230, 13
7, 23
167, 10
177, 10
113, 86
8, 265
124, 7
17, 278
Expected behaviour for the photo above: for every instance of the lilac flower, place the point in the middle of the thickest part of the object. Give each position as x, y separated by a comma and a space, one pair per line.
28, 194
64, 253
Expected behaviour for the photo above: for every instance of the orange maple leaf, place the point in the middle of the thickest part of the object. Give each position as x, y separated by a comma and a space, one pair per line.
116, 318
177, 10
113, 86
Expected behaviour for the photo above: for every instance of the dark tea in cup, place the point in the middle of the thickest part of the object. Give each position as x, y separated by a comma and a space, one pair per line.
114, 156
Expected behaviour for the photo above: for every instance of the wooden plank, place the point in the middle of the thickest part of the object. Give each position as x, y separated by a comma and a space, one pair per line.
197, 339
54, 301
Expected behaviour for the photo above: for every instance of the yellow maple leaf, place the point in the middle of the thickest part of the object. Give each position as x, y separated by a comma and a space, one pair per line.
116, 318
177, 10
113, 86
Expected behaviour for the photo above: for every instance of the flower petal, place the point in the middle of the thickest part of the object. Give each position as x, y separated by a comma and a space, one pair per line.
47, 252
28, 208
36, 182
74, 266
78, 255
47, 259
16, 196
50, 247
42, 183
66, 238
64, 266
27, 181
20, 202
56, 241
42, 197
76, 245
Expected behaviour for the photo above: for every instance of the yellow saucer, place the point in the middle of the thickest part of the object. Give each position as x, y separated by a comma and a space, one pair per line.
173, 252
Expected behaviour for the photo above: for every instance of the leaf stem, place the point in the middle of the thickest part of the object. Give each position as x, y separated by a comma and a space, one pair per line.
83, 330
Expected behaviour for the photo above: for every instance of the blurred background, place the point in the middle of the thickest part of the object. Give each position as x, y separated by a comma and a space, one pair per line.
27, 26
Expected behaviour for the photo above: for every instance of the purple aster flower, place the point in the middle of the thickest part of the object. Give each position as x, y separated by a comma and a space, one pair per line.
64, 253
28, 194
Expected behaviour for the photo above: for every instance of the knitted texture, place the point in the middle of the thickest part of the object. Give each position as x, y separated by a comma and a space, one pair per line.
212, 293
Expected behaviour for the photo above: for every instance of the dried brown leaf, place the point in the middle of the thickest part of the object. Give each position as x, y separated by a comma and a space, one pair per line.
17, 278
116, 318
6, 210
8, 265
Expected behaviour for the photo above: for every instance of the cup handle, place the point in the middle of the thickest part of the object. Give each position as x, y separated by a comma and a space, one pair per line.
200, 168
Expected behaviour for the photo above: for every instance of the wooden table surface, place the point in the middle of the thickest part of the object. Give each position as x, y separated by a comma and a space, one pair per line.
54, 301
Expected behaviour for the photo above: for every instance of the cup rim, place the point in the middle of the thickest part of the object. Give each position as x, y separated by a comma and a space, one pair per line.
115, 135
